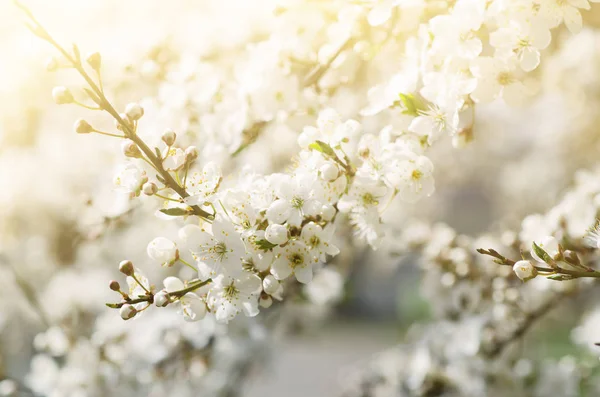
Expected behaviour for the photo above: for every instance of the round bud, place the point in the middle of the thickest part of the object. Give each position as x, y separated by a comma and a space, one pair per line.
130, 149
327, 212
161, 299
126, 267
270, 284
83, 127
524, 270
149, 188
168, 137
114, 285
191, 154
52, 64
265, 301
134, 111
276, 234
94, 60
571, 257
329, 172
127, 312
62, 95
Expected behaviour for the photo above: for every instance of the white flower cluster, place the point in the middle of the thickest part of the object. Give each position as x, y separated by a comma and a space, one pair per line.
261, 230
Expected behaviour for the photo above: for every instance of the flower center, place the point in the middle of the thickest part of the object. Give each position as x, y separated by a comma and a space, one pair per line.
296, 260
416, 175
220, 250
297, 202
368, 199
314, 241
505, 78
230, 291
248, 265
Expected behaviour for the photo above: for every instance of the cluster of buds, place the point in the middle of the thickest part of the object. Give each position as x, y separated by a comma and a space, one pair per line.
548, 259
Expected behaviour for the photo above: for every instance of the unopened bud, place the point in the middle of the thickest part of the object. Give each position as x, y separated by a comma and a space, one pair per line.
265, 301
276, 234
329, 172
328, 212
168, 137
134, 111
270, 284
52, 65
114, 285
130, 149
126, 267
525, 270
62, 95
127, 312
149, 188
571, 257
83, 127
191, 154
94, 60
161, 299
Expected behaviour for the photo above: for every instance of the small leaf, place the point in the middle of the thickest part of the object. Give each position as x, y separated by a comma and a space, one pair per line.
161, 179
322, 147
408, 100
265, 245
113, 305
560, 277
175, 211
158, 153
543, 255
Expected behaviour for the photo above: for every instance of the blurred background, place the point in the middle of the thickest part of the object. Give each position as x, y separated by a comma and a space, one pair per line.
64, 228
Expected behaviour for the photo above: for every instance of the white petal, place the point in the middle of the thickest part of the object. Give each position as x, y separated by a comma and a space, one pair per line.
573, 19
529, 59
380, 14
304, 274
281, 269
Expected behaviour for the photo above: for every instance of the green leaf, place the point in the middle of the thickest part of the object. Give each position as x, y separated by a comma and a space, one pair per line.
175, 211
322, 147
560, 277
410, 104
264, 244
543, 255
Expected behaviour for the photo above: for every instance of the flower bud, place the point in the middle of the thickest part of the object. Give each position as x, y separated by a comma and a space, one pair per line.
571, 257
329, 172
524, 270
161, 299
168, 137
94, 60
52, 64
191, 154
276, 234
126, 267
134, 111
114, 285
163, 250
265, 301
270, 284
130, 149
173, 284
149, 188
327, 212
127, 312
83, 127
62, 96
